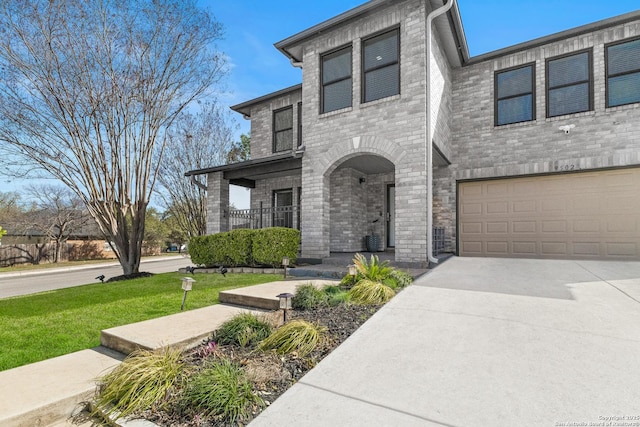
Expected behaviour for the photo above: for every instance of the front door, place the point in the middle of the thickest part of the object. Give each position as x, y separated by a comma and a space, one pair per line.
391, 216
282, 208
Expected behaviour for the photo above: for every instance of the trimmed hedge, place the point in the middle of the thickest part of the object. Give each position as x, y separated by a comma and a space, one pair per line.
244, 247
270, 245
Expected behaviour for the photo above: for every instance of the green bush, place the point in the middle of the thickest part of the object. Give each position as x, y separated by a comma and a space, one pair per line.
336, 295
401, 278
296, 336
209, 250
244, 329
270, 245
222, 390
266, 246
140, 382
238, 248
308, 297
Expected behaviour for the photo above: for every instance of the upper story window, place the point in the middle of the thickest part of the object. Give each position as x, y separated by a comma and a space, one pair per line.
569, 84
283, 129
381, 66
623, 73
515, 95
336, 80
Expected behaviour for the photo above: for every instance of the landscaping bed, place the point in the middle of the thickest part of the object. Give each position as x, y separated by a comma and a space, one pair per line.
272, 373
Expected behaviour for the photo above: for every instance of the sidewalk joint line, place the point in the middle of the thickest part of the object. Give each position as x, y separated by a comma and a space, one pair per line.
377, 404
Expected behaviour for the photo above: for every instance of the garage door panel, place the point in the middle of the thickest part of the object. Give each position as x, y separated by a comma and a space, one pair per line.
579, 215
587, 249
554, 226
622, 249
524, 206
524, 226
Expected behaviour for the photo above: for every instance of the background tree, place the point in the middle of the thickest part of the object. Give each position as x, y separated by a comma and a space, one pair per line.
2, 232
196, 141
57, 213
155, 232
88, 90
241, 151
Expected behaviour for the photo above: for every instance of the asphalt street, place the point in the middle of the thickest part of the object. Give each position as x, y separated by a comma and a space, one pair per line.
30, 282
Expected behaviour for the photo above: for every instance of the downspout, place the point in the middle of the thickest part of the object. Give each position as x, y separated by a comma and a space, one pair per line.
429, 137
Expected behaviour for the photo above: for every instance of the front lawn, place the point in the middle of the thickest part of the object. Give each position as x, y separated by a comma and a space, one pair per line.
42, 326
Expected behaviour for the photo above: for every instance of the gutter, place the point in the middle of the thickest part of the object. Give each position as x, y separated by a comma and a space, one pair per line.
429, 137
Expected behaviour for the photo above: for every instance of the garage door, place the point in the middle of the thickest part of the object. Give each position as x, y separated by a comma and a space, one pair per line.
578, 215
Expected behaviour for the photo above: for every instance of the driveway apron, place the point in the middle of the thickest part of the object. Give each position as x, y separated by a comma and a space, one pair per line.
486, 342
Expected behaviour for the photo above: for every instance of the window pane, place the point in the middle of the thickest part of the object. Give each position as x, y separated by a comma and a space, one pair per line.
381, 50
284, 140
284, 119
623, 57
382, 83
337, 95
624, 89
336, 66
515, 82
568, 99
514, 110
569, 70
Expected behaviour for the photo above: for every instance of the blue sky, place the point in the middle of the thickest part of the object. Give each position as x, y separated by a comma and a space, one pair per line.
253, 26
258, 68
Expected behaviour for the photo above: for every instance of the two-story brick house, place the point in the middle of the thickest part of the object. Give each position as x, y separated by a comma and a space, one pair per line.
532, 150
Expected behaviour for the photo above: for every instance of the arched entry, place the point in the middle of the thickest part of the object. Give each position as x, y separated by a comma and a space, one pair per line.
359, 192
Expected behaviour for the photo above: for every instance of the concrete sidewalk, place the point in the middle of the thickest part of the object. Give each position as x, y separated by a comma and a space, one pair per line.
485, 342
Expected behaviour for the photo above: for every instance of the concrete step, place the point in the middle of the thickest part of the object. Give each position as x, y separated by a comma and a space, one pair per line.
48, 392
265, 296
183, 330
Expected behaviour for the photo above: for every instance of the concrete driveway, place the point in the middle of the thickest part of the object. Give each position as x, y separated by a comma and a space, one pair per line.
486, 342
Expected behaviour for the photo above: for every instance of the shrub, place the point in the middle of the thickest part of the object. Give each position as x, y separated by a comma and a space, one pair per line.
270, 245
401, 278
222, 390
245, 247
296, 336
244, 329
238, 247
373, 270
141, 381
368, 292
308, 297
336, 295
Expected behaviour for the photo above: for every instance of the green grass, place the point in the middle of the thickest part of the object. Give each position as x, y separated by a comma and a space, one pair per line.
41, 326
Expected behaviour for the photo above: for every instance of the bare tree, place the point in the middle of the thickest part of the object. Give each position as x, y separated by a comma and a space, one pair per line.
58, 213
88, 89
196, 141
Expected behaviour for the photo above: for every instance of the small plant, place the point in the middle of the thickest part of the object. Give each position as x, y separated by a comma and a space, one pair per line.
401, 278
336, 295
296, 336
308, 297
141, 381
222, 390
368, 292
245, 329
373, 270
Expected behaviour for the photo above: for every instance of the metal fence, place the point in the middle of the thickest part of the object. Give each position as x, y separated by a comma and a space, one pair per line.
284, 216
439, 240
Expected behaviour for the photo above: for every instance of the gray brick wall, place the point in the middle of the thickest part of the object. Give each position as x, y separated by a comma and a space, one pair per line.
262, 123
393, 128
605, 137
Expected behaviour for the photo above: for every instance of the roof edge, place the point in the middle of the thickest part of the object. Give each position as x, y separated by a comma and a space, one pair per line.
242, 108
318, 28
572, 32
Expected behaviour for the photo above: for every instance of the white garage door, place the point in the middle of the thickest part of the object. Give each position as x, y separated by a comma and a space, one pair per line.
579, 215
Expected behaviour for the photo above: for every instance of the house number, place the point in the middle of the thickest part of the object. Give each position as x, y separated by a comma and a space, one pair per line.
567, 168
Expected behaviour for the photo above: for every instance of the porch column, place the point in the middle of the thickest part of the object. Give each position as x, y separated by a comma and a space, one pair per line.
315, 215
217, 203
